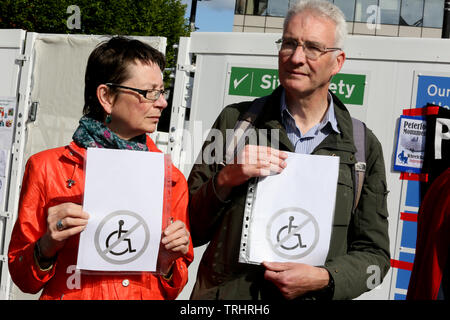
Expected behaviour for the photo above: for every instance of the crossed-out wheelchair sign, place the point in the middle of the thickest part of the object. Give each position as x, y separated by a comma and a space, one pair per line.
293, 233
121, 237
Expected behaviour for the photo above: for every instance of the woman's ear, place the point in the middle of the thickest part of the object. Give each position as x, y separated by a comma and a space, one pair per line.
105, 98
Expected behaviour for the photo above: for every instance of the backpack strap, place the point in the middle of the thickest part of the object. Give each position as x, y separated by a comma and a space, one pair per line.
359, 169
235, 145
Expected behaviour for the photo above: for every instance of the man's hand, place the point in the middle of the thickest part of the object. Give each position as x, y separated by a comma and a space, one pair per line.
295, 279
253, 161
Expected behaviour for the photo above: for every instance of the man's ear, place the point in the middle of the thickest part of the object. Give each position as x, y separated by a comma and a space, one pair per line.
105, 98
339, 62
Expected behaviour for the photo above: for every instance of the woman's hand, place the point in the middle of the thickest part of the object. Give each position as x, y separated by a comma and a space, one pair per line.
174, 244
72, 219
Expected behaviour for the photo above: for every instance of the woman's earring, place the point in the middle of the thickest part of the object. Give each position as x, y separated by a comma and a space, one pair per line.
108, 118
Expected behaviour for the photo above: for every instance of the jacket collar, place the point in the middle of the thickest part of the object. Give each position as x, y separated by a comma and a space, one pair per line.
270, 118
344, 140
77, 154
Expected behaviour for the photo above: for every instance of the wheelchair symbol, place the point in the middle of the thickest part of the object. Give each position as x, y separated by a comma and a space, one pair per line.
298, 235
119, 234
112, 227
289, 227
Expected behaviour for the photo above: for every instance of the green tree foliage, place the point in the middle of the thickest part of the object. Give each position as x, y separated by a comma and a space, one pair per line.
117, 17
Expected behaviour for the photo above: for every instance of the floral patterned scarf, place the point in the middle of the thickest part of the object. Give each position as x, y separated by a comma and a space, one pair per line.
94, 134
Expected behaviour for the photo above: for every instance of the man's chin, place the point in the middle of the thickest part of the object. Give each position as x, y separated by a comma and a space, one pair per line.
296, 87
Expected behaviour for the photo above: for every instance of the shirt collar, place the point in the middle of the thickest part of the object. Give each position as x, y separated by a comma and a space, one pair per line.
329, 117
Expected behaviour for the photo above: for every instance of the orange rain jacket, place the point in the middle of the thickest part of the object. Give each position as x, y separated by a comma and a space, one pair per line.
45, 184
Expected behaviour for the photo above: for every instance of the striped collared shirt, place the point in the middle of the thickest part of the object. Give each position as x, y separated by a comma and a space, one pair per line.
307, 142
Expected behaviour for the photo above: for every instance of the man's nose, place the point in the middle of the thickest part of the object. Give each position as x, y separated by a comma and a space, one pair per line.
298, 56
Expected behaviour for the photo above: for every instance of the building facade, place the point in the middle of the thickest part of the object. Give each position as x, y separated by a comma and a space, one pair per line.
395, 18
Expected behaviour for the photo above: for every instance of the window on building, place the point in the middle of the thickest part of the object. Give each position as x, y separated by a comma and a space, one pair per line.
366, 10
389, 11
292, 3
258, 7
262, 7
240, 7
277, 8
433, 13
347, 7
417, 13
252, 7
411, 13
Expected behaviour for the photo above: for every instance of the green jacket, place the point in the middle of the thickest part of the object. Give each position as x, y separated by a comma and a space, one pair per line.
359, 245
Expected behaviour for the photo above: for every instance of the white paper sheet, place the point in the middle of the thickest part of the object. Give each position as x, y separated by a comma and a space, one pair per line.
293, 212
124, 198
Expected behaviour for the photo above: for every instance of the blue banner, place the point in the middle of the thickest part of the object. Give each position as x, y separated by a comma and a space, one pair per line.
434, 90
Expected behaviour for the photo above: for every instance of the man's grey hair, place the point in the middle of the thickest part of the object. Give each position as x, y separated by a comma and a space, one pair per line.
324, 9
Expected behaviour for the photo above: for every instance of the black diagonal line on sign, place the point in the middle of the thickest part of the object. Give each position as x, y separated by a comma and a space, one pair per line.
116, 243
286, 237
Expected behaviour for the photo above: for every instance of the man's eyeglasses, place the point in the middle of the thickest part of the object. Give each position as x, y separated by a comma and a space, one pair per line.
151, 95
312, 50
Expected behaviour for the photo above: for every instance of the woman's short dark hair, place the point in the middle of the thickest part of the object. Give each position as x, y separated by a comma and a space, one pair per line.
109, 63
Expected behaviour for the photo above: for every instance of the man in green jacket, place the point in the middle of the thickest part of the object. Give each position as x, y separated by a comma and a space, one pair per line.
310, 120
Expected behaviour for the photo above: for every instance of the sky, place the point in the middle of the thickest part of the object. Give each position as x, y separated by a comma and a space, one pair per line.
213, 15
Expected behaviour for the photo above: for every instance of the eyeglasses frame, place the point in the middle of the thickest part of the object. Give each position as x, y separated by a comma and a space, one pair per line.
142, 92
302, 44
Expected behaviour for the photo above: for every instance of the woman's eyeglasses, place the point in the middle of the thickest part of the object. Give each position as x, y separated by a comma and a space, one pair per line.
151, 95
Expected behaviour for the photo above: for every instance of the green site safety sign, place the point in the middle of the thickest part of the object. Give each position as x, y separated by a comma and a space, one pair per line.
349, 88
258, 82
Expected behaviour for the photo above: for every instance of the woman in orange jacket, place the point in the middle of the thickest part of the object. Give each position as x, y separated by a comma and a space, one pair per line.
124, 98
